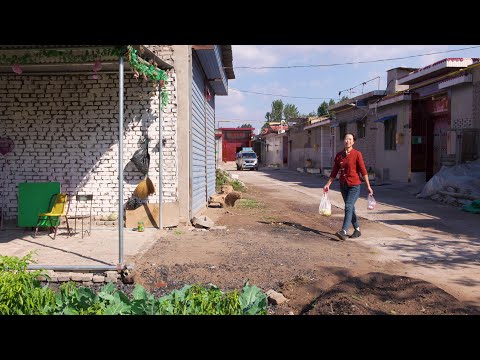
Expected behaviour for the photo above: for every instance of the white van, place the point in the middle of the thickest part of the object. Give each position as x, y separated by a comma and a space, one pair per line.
247, 160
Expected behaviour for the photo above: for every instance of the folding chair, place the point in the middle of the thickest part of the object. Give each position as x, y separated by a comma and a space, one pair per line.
58, 208
81, 205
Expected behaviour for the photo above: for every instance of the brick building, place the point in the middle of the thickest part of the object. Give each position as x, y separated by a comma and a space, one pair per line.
425, 119
61, 109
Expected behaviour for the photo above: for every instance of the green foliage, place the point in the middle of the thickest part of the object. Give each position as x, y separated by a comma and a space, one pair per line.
246, 126
148, 70
222, 178
198, 300
34, 56
20, 291
68, 56
277, 110
290, 111
71, 300
331, 102
249, 204
322, 109
237, 185
269, 218
252, 300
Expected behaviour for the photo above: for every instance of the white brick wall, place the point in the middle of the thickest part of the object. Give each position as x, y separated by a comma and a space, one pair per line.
65, 129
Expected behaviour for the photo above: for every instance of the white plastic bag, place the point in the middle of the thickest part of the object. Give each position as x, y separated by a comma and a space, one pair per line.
371, 202
325, 207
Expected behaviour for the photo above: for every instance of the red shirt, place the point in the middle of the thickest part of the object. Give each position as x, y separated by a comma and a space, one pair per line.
349, 165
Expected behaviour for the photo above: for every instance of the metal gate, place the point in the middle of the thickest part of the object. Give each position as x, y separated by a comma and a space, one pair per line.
202, 140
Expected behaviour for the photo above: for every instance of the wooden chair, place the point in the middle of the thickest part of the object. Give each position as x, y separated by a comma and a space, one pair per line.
81, 207
58, 206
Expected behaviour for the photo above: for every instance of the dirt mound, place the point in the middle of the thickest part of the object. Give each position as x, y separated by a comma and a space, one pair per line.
382, 294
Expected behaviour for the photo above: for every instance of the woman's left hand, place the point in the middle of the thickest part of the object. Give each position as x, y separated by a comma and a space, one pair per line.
370, 191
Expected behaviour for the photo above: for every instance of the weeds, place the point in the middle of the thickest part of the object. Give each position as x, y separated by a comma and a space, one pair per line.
269, 218
249, 204
20, 291
222, 177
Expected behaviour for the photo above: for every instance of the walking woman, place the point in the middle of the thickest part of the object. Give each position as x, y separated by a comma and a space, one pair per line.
349, 163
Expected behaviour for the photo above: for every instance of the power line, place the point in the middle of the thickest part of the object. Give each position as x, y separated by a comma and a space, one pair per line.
348, 63
287, 96
244, 121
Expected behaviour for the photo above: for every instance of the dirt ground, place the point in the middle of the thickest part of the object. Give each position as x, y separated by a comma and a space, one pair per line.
286, 246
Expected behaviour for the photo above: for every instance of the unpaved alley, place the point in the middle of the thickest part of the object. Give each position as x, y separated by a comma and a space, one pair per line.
439, 243
275, 238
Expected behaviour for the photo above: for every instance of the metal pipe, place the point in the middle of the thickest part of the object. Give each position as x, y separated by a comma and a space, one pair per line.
120, 160
160, 164
74, 267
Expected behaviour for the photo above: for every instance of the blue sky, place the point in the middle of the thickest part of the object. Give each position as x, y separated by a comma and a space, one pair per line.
314, 82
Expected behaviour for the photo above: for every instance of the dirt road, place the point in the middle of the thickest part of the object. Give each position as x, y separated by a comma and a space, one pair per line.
275, 238
438, 242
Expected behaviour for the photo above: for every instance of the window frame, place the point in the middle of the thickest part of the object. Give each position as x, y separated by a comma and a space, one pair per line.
361, 129
390, 134
343, 129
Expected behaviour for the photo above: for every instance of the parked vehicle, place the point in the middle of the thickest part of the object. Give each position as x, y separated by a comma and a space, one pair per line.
247, 160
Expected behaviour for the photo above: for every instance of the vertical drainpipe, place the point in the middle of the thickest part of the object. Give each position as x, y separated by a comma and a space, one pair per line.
120, 161
160, 165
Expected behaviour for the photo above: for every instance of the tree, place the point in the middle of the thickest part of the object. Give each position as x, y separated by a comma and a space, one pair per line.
331, 102
312, 113
322, 109
245, 126
267, 116
277, 110
344, 97
290, 111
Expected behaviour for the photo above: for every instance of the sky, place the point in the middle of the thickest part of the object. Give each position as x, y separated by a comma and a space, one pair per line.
323, 82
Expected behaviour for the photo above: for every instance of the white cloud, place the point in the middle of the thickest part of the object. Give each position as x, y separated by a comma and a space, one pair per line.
253, 55
287, 55
233, 102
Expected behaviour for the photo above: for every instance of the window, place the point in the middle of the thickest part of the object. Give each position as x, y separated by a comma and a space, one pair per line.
361, 129
249, 155
390, 133
343, 130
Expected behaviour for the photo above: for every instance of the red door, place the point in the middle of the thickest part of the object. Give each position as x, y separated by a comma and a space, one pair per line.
229, 151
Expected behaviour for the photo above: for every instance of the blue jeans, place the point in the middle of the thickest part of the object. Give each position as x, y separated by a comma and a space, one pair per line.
350, 195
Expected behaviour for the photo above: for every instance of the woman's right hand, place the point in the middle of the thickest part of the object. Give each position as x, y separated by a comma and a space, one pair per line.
326, 188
